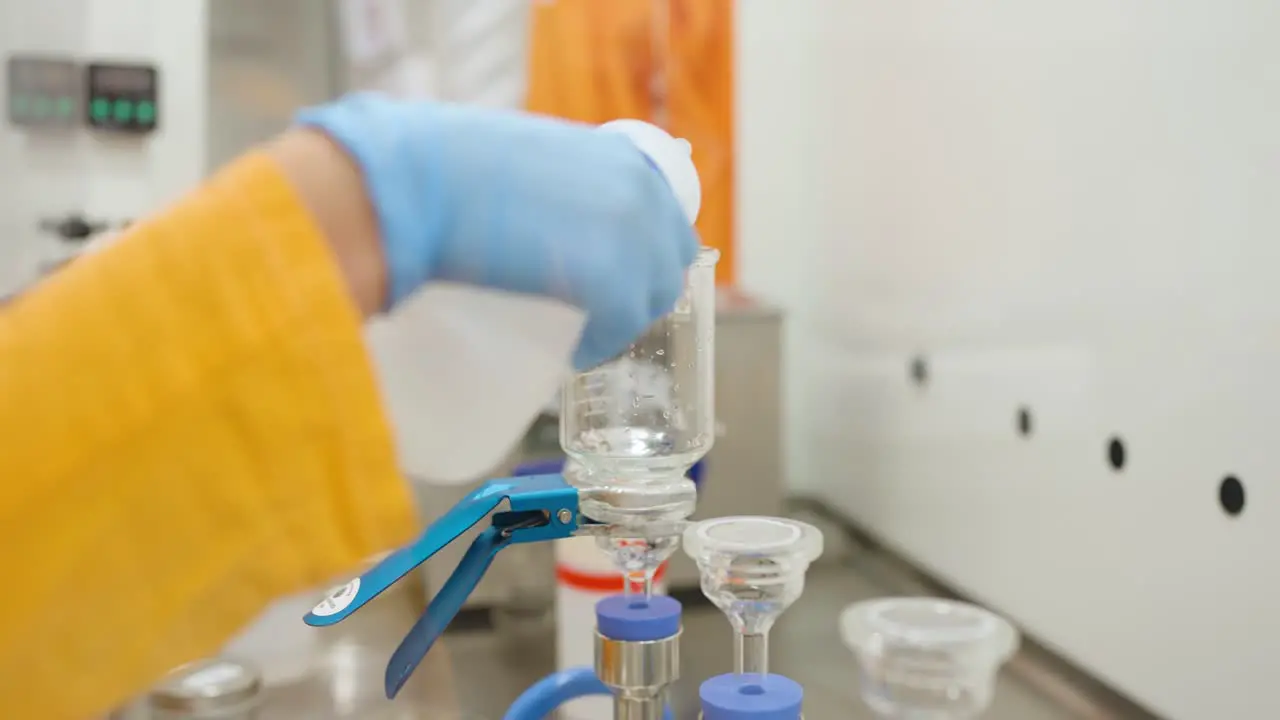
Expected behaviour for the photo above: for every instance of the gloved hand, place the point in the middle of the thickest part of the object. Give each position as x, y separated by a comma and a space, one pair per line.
520, 203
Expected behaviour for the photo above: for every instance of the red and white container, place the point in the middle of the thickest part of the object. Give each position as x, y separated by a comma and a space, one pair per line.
585, 574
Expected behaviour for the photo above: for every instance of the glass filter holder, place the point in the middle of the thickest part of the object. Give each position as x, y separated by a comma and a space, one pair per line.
753, 569
926, 658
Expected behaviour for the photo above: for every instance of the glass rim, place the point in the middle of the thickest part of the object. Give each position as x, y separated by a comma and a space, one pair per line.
706, 257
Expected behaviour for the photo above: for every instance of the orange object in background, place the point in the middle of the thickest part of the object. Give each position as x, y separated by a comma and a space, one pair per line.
666, 61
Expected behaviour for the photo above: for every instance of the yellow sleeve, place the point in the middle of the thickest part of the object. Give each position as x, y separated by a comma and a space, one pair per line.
190, 428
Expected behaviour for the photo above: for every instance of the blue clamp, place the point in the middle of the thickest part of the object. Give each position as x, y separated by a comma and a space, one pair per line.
540, 507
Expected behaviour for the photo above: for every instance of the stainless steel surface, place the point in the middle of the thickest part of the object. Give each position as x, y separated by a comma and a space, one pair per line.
1035, 667
347, 683
638, 669
215, 689
474, 675
633, 708
266, 59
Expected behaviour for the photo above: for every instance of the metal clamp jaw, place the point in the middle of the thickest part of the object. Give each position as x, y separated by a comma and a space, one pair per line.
539, 508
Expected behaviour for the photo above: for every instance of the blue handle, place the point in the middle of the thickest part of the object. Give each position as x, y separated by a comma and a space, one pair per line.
545, 696
444, 608
540, 507
538, 497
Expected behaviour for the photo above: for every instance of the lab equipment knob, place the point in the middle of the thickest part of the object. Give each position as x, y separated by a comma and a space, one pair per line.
73, 228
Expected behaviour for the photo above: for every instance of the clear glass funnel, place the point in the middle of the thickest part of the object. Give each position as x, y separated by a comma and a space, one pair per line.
650, 412
634, 426
641, 518
927, 659
752, 568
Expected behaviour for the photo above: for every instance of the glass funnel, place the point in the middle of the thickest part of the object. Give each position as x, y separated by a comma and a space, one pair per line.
634, 426
641, 518
752, 568
927, 659
650, 412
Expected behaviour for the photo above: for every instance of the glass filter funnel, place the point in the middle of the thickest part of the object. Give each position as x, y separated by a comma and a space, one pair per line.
650, 412
641, 521
925, 658
634, 426
752, 568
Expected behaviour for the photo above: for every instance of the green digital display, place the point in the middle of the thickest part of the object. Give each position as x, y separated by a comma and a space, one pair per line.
44, 92
35, 109
122, 98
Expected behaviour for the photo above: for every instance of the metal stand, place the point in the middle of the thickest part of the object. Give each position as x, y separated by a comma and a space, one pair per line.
637, 660
638, 652
637, 638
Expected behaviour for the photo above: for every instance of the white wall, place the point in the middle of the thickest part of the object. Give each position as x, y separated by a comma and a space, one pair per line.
51, 174
781, 81
41, 174
1067, 205
127, 177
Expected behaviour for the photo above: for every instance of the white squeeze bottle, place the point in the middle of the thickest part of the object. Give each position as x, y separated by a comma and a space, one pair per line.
465, 370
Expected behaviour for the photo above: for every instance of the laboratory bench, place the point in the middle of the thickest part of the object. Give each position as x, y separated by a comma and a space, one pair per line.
477, 671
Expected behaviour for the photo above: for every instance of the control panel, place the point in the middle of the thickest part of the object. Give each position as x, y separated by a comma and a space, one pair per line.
61, 92
44, 91
122, 98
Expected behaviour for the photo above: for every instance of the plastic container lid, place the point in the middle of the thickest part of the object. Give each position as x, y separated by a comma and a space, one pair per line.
926, 657
920, 622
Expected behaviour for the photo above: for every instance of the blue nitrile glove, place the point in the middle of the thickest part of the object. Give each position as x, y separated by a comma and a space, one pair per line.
520, 203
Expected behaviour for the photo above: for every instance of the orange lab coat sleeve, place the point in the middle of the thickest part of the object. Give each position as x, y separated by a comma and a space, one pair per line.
189, 428
700, 80
595, 61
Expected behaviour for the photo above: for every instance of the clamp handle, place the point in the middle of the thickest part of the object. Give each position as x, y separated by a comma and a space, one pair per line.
541, 507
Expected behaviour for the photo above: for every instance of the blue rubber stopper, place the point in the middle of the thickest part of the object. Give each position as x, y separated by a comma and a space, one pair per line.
637, 619
751, 697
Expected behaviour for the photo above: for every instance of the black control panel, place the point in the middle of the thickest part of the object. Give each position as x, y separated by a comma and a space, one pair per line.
122, 98
44, 91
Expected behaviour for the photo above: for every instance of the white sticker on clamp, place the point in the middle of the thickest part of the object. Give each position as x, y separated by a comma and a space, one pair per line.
338, 600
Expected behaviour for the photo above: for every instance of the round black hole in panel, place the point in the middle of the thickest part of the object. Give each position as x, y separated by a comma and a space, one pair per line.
1231, 495
1024, 421
1116, 453
919, 370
